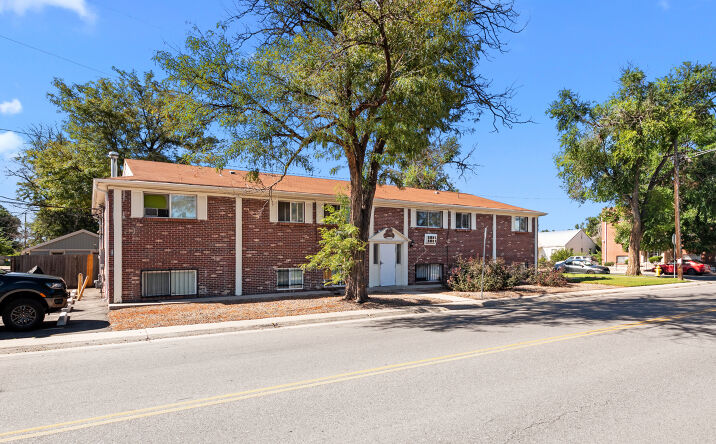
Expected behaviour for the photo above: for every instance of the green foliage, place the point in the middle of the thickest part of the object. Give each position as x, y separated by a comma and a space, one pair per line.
597, 257
339, 240
466, 275
429, 172
655, 259
7, 246
9, 229
127, 114
561, 254
618, 151
371, 86
550, 278
609, 264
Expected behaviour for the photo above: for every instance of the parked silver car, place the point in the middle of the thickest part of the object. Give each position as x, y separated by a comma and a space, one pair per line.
581, 266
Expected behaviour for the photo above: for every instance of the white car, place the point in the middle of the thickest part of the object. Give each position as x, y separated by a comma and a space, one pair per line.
579, 258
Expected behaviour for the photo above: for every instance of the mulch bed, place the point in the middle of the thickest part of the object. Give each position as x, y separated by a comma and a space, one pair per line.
208, 312
528, 290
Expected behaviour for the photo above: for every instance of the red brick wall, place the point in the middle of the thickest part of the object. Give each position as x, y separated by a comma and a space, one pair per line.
513, 246
207, 246
268, 246
451, 244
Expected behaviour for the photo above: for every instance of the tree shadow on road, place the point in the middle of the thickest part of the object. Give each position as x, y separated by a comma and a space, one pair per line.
700, 323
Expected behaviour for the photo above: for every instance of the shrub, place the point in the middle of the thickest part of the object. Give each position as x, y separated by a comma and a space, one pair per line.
466, 275
552, 278
597, 257
609, 264
626, 261
655, 259
561, 254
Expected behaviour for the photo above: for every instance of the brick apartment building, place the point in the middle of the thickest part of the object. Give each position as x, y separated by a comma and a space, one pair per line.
179, 231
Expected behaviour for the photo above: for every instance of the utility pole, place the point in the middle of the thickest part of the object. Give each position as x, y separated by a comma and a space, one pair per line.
677, 219
24, 231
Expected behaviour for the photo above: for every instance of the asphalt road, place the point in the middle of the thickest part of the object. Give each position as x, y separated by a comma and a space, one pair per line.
587, 370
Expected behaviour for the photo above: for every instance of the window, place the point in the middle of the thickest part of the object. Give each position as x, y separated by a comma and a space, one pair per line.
376, 249
168, 283
431, 239
290, 212
622, 259
327, 275
519, 223
429, 219
289, 279
178, 206
398, 253
462, 220
329, 209
428, 272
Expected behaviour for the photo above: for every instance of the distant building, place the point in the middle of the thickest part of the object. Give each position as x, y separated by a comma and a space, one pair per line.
78, 242
577, 240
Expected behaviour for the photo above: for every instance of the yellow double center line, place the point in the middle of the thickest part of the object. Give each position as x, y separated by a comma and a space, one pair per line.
34, 432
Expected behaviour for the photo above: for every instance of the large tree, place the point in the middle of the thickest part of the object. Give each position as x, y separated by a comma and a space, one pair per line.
9, 232
620, 151
128, 114
370, 86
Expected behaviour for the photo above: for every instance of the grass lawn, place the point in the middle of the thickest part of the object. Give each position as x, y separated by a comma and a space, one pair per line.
620, 281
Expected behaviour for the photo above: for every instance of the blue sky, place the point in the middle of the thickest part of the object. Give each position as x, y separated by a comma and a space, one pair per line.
576, 45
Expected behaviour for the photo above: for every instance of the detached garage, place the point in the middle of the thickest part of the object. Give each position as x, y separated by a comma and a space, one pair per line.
577, 240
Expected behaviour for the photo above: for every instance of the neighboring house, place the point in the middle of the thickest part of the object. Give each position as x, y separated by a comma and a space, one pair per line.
78, 242
180, 230
577, 240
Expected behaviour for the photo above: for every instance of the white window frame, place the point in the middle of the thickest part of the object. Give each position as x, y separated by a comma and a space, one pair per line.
458, 216
290, 211
171, 290
169, 205
440, 223
290, 286
431, 239
515, 222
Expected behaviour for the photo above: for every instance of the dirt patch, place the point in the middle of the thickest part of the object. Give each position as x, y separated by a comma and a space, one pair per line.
528, 290
208, 312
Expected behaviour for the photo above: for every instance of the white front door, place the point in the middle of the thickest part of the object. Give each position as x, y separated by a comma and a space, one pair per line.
387, 264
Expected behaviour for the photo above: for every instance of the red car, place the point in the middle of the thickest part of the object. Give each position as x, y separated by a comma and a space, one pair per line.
689, 267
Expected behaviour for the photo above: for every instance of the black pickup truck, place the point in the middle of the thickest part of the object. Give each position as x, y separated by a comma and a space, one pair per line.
26, 297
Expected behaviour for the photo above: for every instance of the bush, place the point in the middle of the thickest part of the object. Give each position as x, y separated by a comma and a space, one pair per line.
626, 261
609, 264
466, 275
561, 254
655, 259
552, 278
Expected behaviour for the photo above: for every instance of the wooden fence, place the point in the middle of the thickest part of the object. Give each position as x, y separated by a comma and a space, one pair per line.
66, 266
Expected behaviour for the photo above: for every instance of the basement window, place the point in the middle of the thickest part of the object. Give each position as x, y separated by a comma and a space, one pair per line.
428, 272
289, 279
168, 283
431, 239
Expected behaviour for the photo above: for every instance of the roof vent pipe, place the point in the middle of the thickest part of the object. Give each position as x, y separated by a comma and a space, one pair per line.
113, 156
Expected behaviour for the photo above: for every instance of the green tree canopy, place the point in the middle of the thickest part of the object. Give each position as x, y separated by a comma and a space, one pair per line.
128, 114
370, 86
9, 231
619, 151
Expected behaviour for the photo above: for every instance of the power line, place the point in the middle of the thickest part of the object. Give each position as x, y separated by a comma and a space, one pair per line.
35, 48
15, 131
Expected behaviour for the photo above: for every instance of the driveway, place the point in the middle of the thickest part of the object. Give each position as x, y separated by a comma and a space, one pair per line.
88, 315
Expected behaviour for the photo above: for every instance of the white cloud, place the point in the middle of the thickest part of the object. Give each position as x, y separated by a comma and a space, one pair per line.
10, 143
12, 107
19, 7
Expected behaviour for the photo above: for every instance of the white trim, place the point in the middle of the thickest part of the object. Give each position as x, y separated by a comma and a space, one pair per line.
494, 237
137, 203
320, 212
287, 195
202, 210
445, 217
473, 221
404, 259
273, 210
529, 224
117, 219
453, 220
413, 217
239, 247
371, 230
308, 212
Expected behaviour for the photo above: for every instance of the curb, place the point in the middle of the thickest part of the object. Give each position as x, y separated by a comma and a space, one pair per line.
75, 340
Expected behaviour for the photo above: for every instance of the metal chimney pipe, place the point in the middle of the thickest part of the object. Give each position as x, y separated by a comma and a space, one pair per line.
113, 156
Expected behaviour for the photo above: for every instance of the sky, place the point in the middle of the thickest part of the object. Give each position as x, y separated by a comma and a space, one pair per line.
565, 44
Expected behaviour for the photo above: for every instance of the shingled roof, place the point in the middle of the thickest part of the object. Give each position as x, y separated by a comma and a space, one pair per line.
162, 172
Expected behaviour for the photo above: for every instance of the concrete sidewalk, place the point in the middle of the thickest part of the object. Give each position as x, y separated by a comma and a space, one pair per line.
452, 303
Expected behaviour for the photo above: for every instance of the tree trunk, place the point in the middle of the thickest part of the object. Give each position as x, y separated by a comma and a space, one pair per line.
361, 209
634, 265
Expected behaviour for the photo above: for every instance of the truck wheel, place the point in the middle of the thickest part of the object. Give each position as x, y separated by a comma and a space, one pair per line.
23, 314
